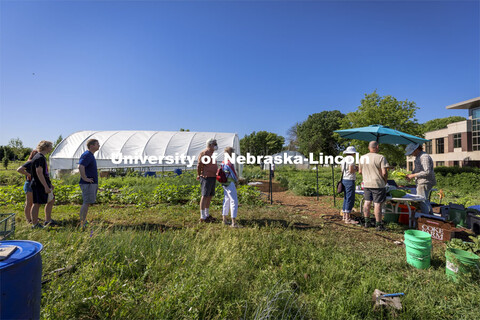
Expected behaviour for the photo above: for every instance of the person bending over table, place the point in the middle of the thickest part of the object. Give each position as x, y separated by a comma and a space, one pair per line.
423, 174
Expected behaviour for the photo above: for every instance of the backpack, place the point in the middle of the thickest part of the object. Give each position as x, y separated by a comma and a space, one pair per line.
221, 176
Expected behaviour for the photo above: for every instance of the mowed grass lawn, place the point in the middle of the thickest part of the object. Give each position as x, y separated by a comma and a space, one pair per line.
160, 263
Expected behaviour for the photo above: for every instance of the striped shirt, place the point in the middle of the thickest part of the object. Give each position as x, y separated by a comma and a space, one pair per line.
424, 169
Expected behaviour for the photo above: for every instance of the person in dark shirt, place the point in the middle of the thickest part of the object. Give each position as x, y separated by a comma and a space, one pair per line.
42, 188
26, 169
88, 178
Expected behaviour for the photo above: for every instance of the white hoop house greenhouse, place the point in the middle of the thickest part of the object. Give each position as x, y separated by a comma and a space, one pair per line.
140, 150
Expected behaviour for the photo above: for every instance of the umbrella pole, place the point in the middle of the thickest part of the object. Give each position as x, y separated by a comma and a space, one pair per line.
333, 186
317, 181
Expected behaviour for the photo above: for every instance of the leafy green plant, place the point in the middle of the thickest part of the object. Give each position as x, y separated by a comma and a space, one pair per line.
473, 246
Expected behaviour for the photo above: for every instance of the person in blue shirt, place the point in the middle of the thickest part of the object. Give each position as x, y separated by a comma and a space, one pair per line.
88, 178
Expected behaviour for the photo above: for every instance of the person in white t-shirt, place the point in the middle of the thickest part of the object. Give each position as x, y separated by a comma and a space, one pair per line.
349, 176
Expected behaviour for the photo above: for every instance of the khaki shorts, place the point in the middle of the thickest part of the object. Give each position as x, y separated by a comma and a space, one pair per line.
89, 192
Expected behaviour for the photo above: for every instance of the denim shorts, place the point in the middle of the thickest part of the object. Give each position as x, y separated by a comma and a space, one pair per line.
27, 187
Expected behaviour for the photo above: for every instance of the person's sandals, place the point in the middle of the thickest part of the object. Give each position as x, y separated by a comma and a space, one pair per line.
226, 222
351, 221
37, 226
236, 225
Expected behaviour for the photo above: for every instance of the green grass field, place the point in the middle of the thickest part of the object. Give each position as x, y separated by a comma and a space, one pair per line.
156, 261
160, 263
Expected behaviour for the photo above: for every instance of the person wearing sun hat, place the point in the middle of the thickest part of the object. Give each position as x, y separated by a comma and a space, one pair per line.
348, 179
422, 173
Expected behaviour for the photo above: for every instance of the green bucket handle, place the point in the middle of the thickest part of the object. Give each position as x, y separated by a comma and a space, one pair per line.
418, 257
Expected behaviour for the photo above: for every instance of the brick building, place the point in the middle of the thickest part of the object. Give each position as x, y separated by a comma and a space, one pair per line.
459, 143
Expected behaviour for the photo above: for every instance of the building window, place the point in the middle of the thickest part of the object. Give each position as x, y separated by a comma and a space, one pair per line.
476, 113
456, 163
428, 147
457, 140
440, 148
476, 129
410, 166
440, 163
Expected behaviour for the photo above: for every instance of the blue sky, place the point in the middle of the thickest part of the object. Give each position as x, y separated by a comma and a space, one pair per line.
233, 66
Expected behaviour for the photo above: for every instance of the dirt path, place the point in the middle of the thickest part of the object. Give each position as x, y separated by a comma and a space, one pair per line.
323, 210
300, 204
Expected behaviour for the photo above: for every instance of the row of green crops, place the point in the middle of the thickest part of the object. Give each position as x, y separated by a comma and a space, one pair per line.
457, 186
304, 182
141, 191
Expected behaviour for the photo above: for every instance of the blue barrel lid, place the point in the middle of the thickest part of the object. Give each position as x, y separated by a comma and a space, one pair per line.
25, 250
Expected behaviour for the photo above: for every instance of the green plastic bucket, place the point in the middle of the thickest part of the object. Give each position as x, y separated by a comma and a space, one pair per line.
418, 248
461, 262
418, 255
390, 217
418, 236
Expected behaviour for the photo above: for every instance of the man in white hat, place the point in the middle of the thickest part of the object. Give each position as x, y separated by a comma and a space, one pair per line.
422, 173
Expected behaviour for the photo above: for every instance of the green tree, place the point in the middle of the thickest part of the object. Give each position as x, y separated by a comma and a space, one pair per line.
292, 136
316, 133
5, 162
261, 143
6, 151
387, 111
440, 123
57, 142
17, 148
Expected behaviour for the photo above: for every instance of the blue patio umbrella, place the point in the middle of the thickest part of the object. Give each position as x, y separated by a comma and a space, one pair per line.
381, 134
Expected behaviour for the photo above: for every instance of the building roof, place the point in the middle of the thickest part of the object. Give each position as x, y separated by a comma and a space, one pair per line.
137, 144
469, 104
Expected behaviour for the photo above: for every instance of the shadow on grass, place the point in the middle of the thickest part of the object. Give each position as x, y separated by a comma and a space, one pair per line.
143, 226
278, 223
436, 263
360, 228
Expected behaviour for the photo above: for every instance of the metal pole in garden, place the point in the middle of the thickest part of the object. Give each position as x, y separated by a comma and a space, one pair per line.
269, 182
270, 190
333, 186
317, 181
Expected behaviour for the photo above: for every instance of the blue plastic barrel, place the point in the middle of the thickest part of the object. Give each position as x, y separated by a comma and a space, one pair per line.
21, 281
